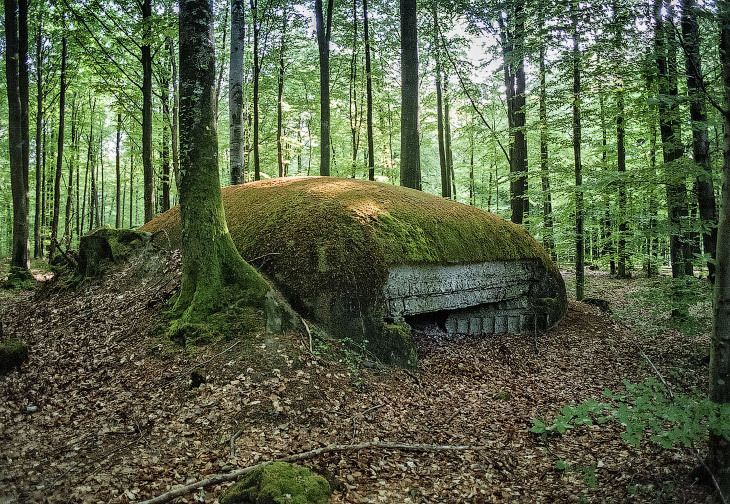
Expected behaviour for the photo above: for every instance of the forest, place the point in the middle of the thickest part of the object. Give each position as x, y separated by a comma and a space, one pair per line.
601, 129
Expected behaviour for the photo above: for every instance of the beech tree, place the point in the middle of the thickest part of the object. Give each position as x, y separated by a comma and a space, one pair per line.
210, 259
16, 71
410, 148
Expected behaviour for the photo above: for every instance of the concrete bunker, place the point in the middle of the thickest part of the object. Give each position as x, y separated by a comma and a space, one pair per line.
362, 259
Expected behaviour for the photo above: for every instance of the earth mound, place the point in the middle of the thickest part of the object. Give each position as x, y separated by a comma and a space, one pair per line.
365, 260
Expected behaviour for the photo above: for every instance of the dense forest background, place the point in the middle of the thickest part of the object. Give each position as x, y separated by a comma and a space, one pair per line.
579, 120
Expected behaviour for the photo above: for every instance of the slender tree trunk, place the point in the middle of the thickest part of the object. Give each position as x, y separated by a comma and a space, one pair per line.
235, 90
445, 185
410, 166
165, 205
59, 153
131, 189
44, 181
700, 139
447, 141
369, 84
69, 184
579, 236
175, 109
621, 165
256, 74
149, 182
37, 246
280, 101
719, 446
210, 260
120, 205
547, 203
324, 34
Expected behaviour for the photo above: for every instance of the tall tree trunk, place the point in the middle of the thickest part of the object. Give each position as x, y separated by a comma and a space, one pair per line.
69, 183
235, 90
719, 446
210, 260
547, 203
353, 111
44, 191
256, 74
324, 34
37, 246
120, 206
704, 187
369, 84
59, 153
579, 236
16, 71
280, 101
131, 189
175, 114
410, 149
671, 138
165, 204
445, 184
149, 182
447, 141
621, 166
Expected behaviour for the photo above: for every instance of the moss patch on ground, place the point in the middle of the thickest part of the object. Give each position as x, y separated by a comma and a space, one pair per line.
13, 354
327, 243
107, 244
279, 483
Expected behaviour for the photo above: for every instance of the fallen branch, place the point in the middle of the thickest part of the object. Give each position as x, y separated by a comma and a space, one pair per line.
233, 443
234, 475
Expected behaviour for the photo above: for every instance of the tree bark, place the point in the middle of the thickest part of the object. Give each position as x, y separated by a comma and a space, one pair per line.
445, 185
719, 447
669, 128
447, 141
175, 109
579, 237
118, 219
547, 203
256, 74
59, 153
410, 165
235, 90
704, 186
16, 35
369, 85
324, 33
149, 183
210, 260
165, 158
37, 246
280, 96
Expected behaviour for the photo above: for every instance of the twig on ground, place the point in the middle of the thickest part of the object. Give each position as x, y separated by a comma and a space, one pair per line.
233, 475
233, 443
415, 378
359, 414
309, 333
190, 370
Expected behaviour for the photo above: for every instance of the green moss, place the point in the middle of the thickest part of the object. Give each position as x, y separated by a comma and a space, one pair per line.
19, 278
279, 483
13, 354
108, 245
397, 345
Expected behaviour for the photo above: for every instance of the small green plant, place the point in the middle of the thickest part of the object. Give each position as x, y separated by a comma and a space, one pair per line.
647, 408
588, 472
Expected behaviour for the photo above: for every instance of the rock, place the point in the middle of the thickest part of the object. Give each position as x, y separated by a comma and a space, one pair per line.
602, 304
365, 260
109, 245
13, 354
279, 483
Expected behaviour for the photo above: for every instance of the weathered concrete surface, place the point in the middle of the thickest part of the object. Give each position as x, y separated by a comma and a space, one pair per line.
483, 298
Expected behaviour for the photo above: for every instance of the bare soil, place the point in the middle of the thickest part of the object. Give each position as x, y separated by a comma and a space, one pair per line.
118, 421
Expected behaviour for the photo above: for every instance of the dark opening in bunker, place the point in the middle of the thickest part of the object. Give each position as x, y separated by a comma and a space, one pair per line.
426, 322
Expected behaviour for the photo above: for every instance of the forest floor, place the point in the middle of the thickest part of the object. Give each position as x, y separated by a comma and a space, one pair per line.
118, 420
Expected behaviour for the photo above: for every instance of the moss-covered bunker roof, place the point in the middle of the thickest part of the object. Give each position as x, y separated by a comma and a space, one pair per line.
315, 234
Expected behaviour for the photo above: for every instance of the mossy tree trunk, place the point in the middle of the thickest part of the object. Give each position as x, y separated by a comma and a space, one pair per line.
210, 260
